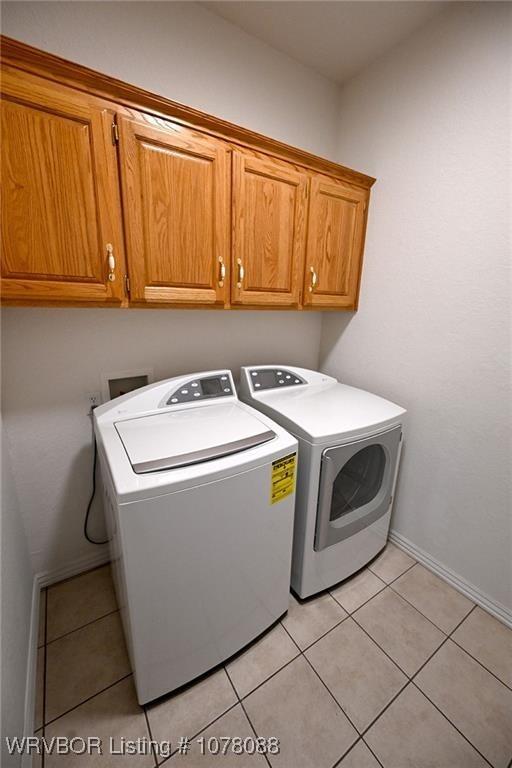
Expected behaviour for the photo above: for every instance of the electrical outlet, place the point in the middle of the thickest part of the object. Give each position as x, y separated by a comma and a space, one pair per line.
93, 400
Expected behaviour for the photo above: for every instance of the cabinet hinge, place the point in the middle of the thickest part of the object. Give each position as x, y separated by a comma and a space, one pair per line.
115, 133
127, 285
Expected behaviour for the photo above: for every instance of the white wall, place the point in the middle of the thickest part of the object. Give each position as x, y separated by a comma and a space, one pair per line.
53, 357
16, 599
430, 121
185, 52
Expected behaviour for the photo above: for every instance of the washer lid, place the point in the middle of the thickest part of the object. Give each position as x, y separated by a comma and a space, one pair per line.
189, 436
321, 412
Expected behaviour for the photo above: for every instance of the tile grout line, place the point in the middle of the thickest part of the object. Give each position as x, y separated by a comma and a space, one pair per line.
79, 575
381, 648
424, 615
245, 711
448, 634
338, 623
153, 751
267, 759
411, 680
286, 664
302, 653
371, 750
347, 751
212, 722
387, 583
353, 746
82, 626
349, 613
481, 664
84, 701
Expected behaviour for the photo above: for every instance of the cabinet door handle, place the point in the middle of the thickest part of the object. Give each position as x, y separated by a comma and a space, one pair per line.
314, 280
222, 272
241, 273
111, 263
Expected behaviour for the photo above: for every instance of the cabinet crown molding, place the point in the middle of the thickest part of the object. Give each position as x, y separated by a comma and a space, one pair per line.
36, 61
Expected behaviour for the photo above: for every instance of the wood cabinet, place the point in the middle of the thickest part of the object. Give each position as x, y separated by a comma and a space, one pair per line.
175, 185
337, 222
61, 219
269, 230
210, 214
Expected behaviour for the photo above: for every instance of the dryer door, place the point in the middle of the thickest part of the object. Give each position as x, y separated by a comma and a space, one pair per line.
356, 483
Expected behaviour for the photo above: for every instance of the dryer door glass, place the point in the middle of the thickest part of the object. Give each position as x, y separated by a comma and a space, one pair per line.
356, 484
358, 481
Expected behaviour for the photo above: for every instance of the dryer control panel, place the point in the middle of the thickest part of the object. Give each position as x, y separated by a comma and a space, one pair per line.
202, 388
274, 378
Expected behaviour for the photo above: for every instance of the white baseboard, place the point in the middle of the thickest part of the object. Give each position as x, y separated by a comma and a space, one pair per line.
30, 682
498, 610
41, 580
73, 568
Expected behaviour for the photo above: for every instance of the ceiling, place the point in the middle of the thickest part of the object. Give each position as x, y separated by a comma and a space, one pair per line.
336, 39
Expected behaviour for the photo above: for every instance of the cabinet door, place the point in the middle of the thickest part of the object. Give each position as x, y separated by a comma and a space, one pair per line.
269, 211
61, 217
336, 228
175, 186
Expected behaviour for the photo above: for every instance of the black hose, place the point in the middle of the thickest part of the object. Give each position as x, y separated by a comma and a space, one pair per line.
88, 511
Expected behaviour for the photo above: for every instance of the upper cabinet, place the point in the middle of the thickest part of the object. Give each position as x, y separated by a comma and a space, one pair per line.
114, 196
337, 222
269, 231
175, 185
61, 219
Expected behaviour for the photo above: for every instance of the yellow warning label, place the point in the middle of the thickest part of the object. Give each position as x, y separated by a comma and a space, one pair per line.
282, 482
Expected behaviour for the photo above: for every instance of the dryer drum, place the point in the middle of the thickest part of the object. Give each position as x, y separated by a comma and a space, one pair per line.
356, 482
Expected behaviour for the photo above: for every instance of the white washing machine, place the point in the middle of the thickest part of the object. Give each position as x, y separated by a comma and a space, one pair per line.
349, 451
199, 493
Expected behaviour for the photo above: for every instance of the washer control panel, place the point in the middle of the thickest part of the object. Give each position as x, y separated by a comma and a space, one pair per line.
204, 388
273, 378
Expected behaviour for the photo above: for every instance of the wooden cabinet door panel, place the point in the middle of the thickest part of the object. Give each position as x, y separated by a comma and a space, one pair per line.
176, 197
269, 207
60, 205
336, 227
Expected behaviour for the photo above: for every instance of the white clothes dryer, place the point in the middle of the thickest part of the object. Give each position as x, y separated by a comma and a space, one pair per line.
349, 451
199, 493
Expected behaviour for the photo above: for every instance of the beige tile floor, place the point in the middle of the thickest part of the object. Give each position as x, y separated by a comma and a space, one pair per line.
392, 668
